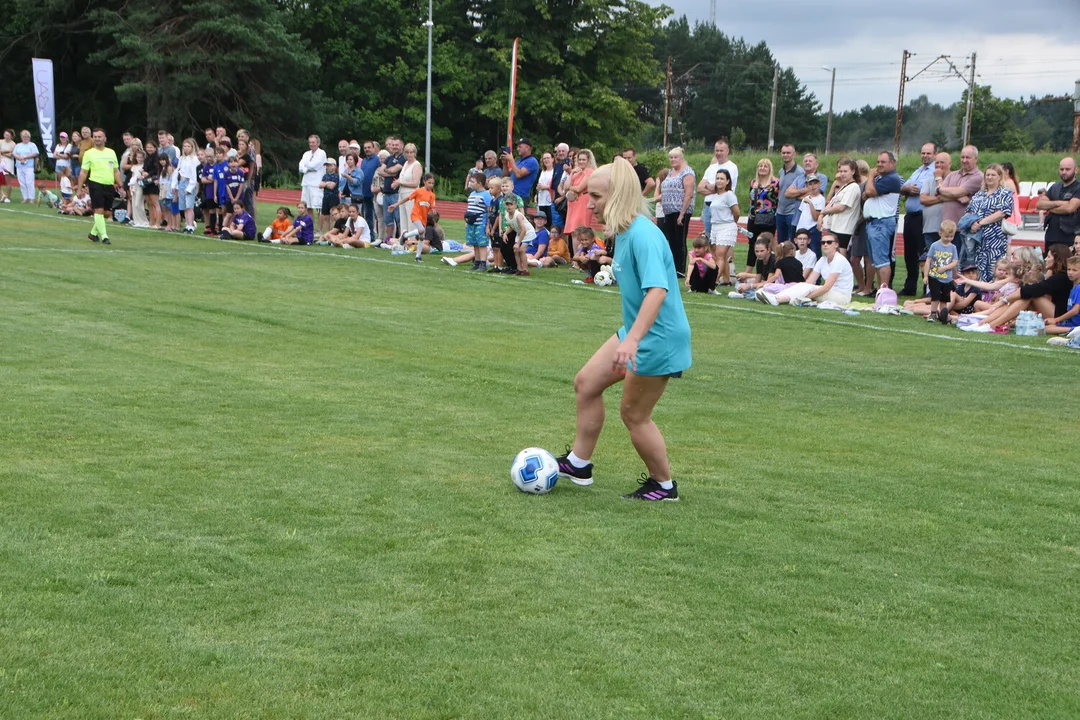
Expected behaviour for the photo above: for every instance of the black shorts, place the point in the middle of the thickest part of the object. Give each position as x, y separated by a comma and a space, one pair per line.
940, 291
842, 239
101, 195
209, 204
329, 202
151, 188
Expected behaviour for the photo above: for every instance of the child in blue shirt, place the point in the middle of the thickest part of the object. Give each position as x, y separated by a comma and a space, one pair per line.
476, 221
1070, 319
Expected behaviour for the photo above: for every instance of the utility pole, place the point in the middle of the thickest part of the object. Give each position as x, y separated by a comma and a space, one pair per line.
900, 106
832, 92
712, 12
970, 102
1076, 115
427, 133
667, 102
772, 113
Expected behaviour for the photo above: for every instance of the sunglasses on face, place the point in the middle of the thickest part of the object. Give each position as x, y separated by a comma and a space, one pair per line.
828, 242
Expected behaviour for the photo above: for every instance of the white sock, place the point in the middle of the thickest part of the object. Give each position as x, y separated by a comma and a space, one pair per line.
275, 242
576, 461
666, 484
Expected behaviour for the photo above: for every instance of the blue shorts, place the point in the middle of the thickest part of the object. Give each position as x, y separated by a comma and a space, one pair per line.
1074, 321
187, 201
879, 240
389, 217
475, 236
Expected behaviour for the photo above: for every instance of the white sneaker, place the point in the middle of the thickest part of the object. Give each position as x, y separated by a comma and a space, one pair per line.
7, 200
735, 296
449, 261
760, 297
1057, 341
770, 298
976, 328
1075, 332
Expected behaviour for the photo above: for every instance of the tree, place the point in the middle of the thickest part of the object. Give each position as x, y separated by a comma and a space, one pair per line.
992, 120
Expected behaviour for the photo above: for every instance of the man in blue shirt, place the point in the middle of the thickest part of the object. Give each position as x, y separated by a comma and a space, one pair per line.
787, 208
368, 166
881, 205
913, 218
523, 172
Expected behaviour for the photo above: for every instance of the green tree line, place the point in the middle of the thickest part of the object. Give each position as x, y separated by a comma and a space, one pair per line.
591, 73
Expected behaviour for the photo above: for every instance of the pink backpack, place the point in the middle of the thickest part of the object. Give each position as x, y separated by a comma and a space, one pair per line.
886, 296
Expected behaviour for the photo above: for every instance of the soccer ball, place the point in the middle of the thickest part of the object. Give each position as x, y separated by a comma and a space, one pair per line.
535, 471
603, 278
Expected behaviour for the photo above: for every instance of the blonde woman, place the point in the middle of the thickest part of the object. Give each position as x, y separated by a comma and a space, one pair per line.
677, 194
651, 347
764, 197
407, 181
188, 187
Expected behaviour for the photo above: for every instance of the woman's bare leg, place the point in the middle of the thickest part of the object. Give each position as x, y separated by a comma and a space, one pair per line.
592, 380
640, 395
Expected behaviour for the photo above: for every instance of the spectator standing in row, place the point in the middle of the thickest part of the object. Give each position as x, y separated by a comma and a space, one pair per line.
188, 172
913, 218
643, 176
677, 195
389, 172
799, 190
960, 186
577, 199
7, 164
881, 203
491, 165
787, 207
368, 166
330, 184
707, 186
524, 170
26, 155
764, 197
312, 167
1061, 203
992, 204
562, 166
931, 202
841, 214
408, 180
544, 194
62, 155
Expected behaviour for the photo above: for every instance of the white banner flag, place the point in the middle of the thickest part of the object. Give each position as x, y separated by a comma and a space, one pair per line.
45, 99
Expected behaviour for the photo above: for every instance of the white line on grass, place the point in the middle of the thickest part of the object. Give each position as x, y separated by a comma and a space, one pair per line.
260, 247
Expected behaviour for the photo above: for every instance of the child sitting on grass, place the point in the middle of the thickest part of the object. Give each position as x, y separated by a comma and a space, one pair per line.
806, 257
587, 248
1070, 319
282, 222
557, 251
763, 268
357, 232
1007, 279
79, 205
701, 268
302, 231
537, 250
788, 272
46, 196
339, 216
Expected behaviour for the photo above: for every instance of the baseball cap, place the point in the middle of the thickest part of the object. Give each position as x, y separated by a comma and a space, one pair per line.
813, 178
969, 267
524, 141
330, 161
63, 134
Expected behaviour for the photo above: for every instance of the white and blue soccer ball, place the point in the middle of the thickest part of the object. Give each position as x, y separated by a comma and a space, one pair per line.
534, 471
603, 278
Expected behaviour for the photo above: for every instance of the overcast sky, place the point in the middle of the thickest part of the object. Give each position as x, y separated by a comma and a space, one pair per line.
1022, 47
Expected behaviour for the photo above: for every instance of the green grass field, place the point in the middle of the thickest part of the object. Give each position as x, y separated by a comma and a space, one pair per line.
244, 481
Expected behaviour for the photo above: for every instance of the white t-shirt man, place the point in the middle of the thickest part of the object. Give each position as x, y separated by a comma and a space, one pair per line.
312, 168
710, 176
845, 283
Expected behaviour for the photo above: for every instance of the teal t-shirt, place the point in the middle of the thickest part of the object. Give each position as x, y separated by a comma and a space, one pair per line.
643, 261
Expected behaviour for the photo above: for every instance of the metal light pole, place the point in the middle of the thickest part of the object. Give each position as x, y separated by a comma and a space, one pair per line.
427, 132
832, 92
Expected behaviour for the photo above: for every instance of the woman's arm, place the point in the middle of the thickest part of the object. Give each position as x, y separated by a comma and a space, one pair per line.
688, 196
735, 215
820, 290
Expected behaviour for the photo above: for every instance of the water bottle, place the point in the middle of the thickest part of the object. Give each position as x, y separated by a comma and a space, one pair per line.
1022, 323
1039, 325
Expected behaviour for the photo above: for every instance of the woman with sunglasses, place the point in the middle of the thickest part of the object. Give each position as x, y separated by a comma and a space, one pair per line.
833, 267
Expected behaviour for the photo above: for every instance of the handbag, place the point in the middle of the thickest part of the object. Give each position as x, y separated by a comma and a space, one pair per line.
1009, 228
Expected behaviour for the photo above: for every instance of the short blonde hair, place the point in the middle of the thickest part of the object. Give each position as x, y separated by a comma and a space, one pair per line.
947, 227
625, 202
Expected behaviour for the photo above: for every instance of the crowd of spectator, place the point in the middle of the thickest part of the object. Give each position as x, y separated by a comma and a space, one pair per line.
813, 236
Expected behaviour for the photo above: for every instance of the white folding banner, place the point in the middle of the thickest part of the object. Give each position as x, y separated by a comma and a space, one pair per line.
45, 99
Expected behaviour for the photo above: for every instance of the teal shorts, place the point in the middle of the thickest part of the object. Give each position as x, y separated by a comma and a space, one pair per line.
475, 236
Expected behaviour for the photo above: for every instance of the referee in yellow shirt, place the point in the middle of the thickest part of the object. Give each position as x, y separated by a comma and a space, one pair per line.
101, 172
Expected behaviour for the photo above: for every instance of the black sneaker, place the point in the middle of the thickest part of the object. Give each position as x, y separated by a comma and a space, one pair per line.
93, 238
649, 489
576, 475
493, 269
105, 241
419, 259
